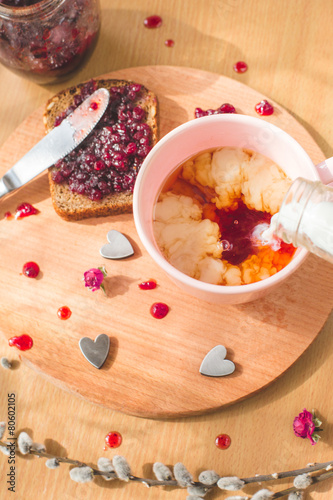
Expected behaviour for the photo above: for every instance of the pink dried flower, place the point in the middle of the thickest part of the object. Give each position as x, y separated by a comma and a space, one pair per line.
93, 278
305, 424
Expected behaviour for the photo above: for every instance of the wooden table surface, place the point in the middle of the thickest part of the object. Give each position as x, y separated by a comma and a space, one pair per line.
288, 48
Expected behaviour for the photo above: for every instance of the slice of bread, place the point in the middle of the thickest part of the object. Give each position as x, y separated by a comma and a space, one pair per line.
72, 205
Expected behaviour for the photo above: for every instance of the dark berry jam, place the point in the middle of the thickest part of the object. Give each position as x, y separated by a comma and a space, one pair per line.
237, 228
159, 310
49, 40
147, 285
30, 269
8, 215
23, 342
224, 108
264, 108
108, 161
24, 210
19, 3
238, 235
240, 67
153, 22
113, 439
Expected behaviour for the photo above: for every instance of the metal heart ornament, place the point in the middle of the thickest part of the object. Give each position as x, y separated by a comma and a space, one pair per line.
95, 351
118, 247
215, 364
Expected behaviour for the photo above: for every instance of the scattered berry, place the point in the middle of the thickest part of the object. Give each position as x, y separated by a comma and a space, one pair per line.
153, 22
64, 312
159, 310
113, 439
23, 342
264, 108
240, 67
169, 43
223, 441
147, 285
30, 269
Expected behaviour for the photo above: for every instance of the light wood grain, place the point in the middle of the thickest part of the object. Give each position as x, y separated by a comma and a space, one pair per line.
288, 49
153, 366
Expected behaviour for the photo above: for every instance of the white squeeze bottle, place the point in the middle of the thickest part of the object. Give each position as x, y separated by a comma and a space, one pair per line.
305, 218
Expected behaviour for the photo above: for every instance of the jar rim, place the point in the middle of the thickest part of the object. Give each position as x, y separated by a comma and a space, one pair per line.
43, 7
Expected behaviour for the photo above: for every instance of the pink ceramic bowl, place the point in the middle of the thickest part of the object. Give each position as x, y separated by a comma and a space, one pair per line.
199, 135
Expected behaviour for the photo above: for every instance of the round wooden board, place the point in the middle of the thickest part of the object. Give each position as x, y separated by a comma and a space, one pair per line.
153, 366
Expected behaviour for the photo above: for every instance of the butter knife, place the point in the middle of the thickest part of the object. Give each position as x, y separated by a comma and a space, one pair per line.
57, 143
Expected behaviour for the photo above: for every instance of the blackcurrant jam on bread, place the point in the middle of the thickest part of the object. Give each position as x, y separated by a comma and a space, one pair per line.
97, 178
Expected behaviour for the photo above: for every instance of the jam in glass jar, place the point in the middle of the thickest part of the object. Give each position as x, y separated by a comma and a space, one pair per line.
47, 40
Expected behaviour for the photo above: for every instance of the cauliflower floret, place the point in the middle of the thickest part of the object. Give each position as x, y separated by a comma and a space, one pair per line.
227, 172
185, 240
264, 184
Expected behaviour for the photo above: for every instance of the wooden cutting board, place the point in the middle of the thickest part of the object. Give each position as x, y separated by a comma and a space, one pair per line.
153, 366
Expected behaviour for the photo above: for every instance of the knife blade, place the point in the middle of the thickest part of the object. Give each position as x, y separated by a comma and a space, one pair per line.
58, 143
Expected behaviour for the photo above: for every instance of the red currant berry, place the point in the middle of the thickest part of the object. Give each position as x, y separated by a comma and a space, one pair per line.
31, 269
223, 441
113, 439
159, 310
64, 312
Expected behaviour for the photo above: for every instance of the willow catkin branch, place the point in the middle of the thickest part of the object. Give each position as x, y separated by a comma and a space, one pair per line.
172, 482
282, 475
315, 479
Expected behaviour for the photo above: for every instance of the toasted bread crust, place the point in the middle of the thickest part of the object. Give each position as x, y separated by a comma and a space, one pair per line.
73, 206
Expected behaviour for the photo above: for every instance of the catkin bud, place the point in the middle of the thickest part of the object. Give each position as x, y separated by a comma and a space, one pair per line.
5, 363
52, 463
121, 467
105, 465
162, 472
208, 477
24, 443
302, 481
2, 429
296, 495
82, 474
182, 475
231, 483
262, 495
5, 450
199, 491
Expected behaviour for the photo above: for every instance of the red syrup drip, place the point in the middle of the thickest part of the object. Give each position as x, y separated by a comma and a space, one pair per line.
240, 67
24, 210
8, 215
236, 228
64, 312
159, 310
113, 439
224, 108
147, 285
153, 22
264, 108
169, 43
223, 441
30, 269
23, 342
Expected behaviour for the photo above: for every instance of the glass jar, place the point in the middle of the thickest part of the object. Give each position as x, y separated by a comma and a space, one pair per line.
305, 218
47, 40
